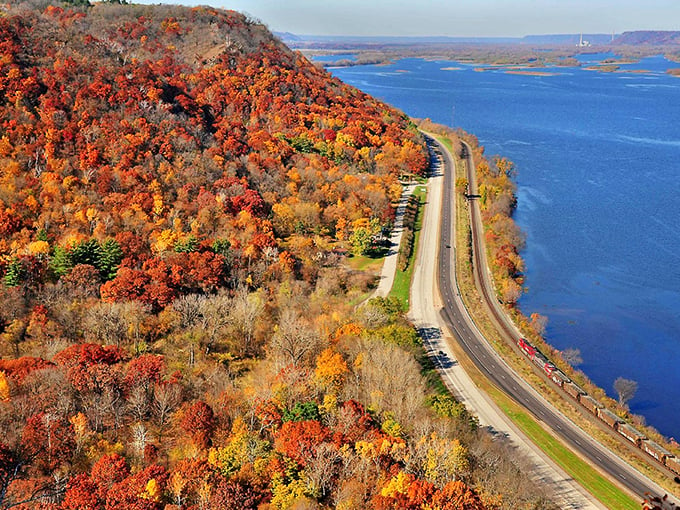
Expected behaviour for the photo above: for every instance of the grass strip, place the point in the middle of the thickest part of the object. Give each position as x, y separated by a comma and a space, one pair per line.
586, 476
402, 279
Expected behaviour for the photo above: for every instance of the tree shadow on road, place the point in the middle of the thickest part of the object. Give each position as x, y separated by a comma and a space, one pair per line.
439, 358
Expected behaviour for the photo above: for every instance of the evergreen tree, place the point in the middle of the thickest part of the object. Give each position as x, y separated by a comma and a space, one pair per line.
222, 247
61, 262
109, 259
87, 252
14, 274
190, 244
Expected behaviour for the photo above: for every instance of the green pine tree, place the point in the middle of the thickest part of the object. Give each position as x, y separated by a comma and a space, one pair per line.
87, 252
14, 274
110, 257
190, 244
61, 262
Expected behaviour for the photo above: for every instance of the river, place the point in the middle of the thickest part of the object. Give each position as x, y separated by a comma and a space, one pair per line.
598, 173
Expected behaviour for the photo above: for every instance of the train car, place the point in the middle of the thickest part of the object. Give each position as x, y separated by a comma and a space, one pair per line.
673, 463
608, 417
573, 390
559, 378
630, 433
539, 359
526, 347
590, 403
549, 368
655, 450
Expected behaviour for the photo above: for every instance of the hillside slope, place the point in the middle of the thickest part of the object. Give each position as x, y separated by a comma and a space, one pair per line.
180, 125
179, 328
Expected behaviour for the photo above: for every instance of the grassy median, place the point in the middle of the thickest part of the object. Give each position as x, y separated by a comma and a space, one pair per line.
402, 279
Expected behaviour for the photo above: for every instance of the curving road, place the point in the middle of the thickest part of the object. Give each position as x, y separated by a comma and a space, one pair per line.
456, 318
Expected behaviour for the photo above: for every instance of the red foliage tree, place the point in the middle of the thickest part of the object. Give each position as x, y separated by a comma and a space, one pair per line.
236, 495
137, 493
81, 494
135, 249
199, 422
145, 370
108, 471
457, 496
298, 440
49, 440
128, 285
83, 280
10, 222
18, 369
92, 367
197, 271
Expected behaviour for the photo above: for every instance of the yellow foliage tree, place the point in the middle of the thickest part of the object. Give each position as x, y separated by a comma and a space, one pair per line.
4, 387
38, 248
152, 492
396, 485
229, 458
285, 495
80, 426
330, 368
165, 241
445, 459
283, 219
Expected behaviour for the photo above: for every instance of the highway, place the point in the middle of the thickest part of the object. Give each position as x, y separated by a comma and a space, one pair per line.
489, 363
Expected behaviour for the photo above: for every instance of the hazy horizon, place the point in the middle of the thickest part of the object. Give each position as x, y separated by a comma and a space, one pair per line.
465, 18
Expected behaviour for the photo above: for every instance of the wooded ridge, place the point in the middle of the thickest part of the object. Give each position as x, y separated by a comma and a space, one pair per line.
178, 328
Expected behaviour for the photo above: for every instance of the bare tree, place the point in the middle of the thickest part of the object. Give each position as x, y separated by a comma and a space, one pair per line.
539, 323
189, 309
166, 398
246, 308
626, 389
572, 356
215, 316
140, 437
294, 339
322, 468
105, 323
138, 402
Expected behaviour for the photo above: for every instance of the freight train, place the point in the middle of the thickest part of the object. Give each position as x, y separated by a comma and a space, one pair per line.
636, 437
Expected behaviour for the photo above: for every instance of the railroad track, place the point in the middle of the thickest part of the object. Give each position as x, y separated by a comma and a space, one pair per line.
490, 364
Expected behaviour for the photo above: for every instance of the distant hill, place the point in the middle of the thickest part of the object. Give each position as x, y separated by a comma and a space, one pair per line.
356, 40
569, 39
649, 37
287, 36
306, 41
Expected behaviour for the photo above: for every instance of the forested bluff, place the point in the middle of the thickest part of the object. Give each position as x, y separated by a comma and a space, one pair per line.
178, 328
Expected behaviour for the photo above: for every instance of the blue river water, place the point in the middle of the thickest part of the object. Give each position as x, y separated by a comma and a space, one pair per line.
598, 173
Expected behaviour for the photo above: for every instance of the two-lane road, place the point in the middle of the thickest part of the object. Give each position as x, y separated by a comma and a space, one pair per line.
490, 364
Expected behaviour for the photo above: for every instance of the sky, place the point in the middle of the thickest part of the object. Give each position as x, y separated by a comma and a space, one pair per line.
455, 18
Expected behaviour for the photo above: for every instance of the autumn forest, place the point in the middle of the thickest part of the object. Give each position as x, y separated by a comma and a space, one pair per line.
179, 328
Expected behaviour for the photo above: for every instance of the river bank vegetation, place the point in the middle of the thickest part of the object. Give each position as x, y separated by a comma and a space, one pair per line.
177, 193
